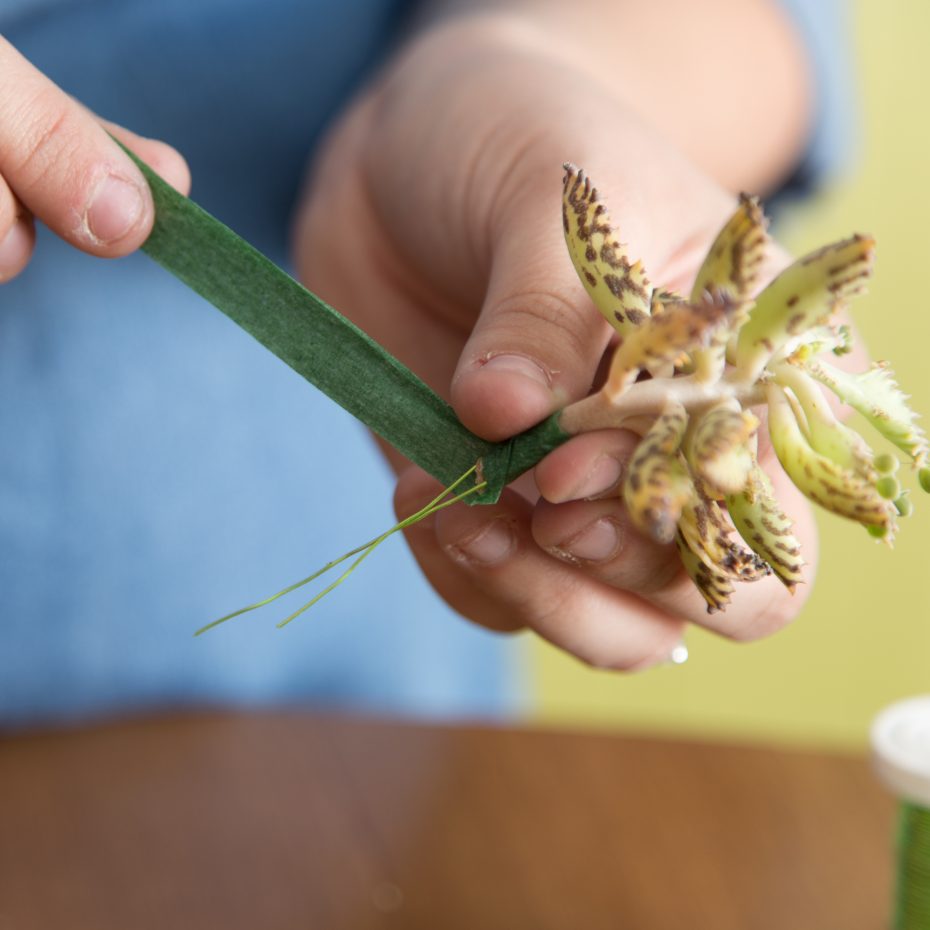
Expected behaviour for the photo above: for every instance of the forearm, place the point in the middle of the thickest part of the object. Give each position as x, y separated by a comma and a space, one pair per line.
726, 81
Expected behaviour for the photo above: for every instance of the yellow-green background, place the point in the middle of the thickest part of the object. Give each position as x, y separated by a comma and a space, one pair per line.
863, 639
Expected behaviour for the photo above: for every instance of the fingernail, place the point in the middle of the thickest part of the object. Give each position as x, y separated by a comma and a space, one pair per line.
491, 544
114, 209
604, 475
519, 365
14, 249
595, 543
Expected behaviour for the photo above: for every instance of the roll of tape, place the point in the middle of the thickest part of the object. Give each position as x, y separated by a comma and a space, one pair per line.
901, 747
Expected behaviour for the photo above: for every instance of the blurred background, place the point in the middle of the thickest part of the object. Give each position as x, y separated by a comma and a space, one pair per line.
863, 639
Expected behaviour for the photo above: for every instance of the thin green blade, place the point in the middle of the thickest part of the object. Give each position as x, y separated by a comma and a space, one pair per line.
328, 350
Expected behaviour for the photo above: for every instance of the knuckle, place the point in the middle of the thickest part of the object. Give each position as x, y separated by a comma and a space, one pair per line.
637, 565
560, 329
547, 611
46, 134
520, 153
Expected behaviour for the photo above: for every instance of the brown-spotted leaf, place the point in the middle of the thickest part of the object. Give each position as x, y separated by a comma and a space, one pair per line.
803, 296
657, 483
762, 523
837, 489
680, 328
707, 533
735, 260
713, 561
733, 266
618, 286
719, 449
715, 586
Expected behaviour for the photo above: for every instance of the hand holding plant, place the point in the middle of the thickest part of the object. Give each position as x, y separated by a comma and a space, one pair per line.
432, 219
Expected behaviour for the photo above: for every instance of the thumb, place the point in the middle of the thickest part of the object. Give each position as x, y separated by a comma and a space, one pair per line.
538, 340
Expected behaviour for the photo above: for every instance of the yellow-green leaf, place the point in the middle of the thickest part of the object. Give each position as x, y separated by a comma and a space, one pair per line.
804, 295
762, 523
681, 327
719, 448
837, 489
657, 483
878, 398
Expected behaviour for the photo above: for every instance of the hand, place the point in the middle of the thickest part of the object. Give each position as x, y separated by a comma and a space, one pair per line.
433, 220
58, 164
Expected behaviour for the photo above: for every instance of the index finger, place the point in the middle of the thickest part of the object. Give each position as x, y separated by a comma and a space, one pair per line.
62, 165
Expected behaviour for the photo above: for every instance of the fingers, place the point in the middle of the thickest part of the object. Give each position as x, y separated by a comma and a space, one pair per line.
17, 234
589, 466
583, 522
598, 539
484, 561
599, 536
538, 340
61, 165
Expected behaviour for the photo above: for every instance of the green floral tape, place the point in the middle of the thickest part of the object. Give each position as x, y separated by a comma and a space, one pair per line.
330, 351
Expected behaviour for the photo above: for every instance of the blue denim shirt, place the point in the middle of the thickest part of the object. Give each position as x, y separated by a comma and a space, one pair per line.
158, 467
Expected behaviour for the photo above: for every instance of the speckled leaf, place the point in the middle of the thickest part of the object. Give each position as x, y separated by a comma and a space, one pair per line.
660, 341
719, 446
736, 258
657, 483
826, 434
826, 338
619, 287
760, 521
839, 490
705, 533
804, 295
715, 586
733, 266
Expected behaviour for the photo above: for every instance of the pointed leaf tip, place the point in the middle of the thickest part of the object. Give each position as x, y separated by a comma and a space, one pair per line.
617, 285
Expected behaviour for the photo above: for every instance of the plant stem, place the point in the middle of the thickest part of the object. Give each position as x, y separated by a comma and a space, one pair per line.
648, 398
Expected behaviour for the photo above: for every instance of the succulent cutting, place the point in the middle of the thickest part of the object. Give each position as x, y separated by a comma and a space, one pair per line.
693, 375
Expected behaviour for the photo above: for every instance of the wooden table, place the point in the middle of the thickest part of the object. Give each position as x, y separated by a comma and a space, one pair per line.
297, 821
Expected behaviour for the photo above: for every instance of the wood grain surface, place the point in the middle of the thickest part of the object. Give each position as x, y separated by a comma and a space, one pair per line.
295, 821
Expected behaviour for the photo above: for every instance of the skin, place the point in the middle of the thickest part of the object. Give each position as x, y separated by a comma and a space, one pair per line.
431, 217
58, 164
445, 176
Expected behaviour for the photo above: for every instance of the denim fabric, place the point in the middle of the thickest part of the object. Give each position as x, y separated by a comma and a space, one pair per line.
158, 467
